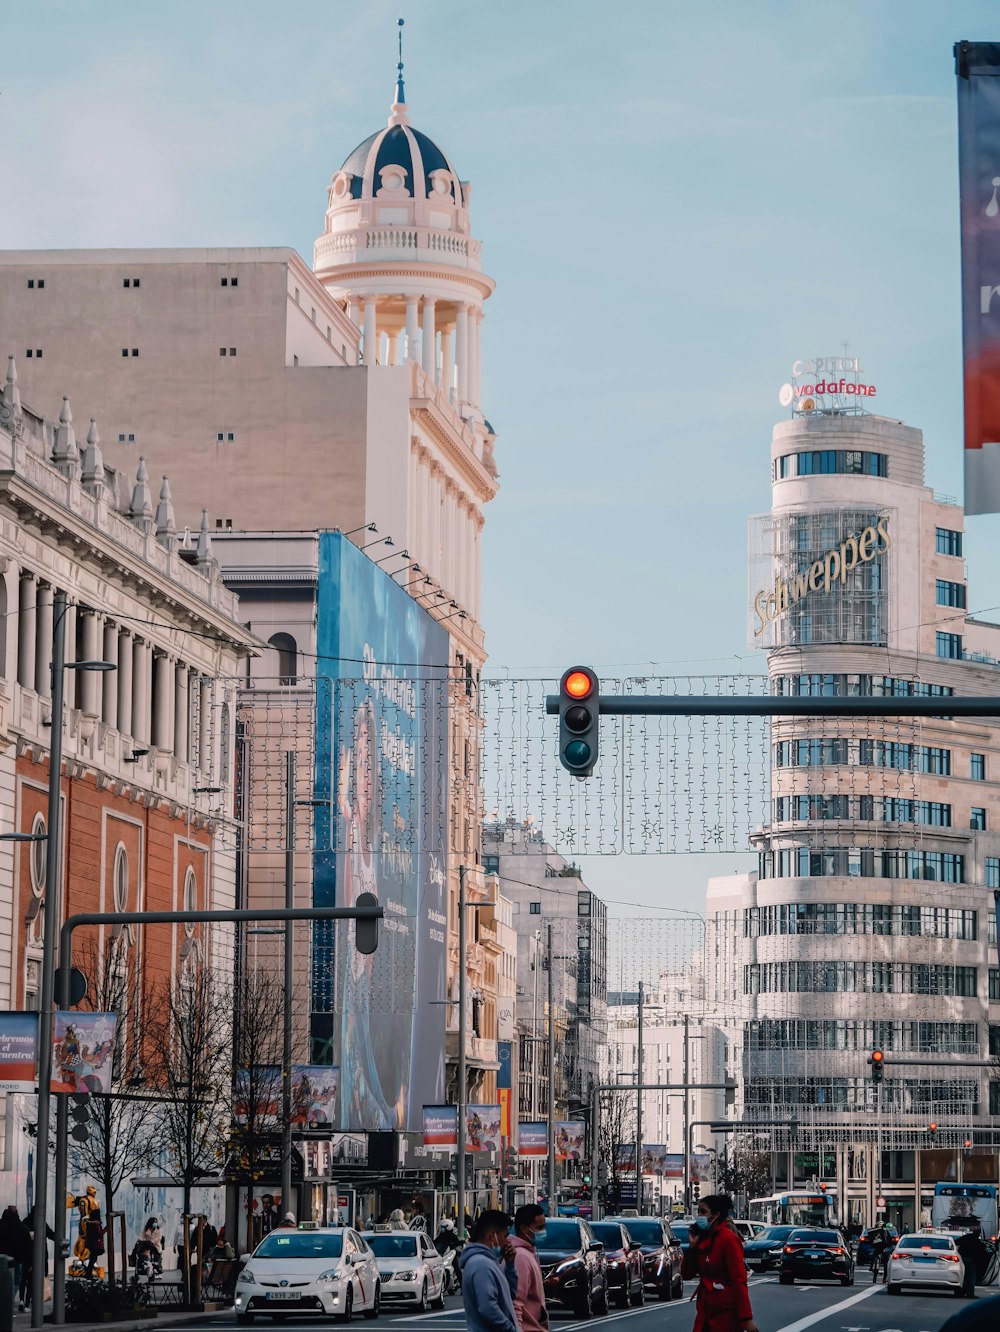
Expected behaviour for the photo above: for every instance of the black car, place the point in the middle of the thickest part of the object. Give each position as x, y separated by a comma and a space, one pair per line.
624, 1263
574, 1269
765, 1251
661, 1254
816, 1255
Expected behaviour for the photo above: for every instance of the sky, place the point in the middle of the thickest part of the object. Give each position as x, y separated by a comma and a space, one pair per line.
676, 202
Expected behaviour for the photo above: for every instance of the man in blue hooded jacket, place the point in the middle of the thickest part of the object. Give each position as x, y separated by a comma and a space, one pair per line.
489, 1278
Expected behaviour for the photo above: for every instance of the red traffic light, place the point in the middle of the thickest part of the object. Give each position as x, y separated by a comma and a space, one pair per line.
877, 1056
932, 1126
578, 684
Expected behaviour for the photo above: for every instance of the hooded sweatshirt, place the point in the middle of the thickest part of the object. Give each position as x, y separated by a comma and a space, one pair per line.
488, 1290
529, 1302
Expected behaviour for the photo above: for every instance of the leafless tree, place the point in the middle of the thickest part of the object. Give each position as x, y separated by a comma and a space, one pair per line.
616, 1141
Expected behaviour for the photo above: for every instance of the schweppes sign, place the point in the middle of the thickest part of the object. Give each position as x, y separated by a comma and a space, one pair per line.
820, 576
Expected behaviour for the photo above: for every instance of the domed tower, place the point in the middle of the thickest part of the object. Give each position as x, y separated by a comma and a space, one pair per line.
397, 248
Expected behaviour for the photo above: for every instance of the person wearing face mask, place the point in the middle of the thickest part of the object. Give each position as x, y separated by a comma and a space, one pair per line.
489, 1278
529, 1302
715, 1257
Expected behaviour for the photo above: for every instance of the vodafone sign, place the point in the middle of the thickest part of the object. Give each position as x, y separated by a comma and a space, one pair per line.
826, 384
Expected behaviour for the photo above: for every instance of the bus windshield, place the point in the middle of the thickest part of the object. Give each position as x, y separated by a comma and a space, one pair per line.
793, 1209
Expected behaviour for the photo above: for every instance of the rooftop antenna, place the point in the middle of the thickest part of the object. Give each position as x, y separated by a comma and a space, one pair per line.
400, 94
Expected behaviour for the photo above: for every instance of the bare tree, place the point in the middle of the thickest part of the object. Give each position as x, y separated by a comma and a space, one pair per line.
616, 1141
121, 1131
743, 1173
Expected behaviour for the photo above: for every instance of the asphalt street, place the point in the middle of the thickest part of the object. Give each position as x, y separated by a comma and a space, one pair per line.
829, 1308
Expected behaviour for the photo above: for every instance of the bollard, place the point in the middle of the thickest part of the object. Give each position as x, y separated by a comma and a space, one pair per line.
6, 1294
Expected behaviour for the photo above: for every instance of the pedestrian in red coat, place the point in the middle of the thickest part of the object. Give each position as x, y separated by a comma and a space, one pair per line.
715, 1256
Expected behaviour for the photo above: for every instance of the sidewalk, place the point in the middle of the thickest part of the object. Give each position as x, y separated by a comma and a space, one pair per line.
165, 1317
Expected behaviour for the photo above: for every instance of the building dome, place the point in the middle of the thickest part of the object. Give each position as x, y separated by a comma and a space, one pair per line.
400, 158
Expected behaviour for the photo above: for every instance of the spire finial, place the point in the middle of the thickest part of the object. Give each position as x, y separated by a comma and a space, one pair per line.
400, 94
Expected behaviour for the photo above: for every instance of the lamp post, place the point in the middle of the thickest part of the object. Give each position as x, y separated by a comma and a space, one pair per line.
53, 915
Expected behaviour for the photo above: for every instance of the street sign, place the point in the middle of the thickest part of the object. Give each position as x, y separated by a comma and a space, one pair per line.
880, 1204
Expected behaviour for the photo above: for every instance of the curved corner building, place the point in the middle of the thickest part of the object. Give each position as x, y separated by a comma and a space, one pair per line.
869, 923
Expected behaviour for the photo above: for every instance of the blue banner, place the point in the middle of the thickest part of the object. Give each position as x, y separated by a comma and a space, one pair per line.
505, 1060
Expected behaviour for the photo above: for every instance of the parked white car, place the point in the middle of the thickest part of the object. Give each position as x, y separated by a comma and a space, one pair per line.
410, 1268
327, 1270
925, 1260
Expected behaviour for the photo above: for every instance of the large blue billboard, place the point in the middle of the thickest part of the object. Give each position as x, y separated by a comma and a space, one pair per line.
382, 763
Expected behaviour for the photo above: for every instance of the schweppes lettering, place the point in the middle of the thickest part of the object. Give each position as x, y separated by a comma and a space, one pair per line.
820, 576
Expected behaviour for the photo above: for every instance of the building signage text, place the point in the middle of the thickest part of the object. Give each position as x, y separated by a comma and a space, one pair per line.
837, 378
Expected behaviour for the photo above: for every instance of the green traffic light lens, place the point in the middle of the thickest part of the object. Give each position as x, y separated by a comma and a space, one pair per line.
577, 753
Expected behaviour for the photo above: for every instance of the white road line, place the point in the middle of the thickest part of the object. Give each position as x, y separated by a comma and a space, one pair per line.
832, 1309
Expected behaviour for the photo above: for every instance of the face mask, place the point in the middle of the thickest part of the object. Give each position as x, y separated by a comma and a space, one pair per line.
702, 1222
540, 1236
495, 1250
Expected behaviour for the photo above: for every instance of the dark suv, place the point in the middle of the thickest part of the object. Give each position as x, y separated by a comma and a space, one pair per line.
661, 1254
574, 1269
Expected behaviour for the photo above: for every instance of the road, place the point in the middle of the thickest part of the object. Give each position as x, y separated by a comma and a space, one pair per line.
827, 1308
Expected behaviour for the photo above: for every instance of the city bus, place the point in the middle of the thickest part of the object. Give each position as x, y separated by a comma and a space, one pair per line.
959, 1207
798, 1207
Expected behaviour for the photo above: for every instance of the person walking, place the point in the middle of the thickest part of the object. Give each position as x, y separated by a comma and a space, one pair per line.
715, 1257
93, 1238
974, 1258
881, 1242
529, 1302
17, 1243
489, 1277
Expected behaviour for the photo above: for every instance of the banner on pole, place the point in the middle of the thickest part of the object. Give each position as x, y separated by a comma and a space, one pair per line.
314, 1094
441, 1126
571, 1137
656, 1160
18, 1051
83, 1052
532, 1140
482, 1128
700, 1167
977, 65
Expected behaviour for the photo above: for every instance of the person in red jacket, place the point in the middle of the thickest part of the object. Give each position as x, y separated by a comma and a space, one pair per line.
715, 1256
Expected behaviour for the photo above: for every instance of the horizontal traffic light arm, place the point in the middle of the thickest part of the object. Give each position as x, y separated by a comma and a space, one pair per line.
766, 705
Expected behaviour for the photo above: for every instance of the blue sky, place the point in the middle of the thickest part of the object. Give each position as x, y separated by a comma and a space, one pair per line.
676, 200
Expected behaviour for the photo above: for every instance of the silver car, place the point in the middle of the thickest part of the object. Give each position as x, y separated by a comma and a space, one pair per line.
925, 1260
411, 1270
327, 1270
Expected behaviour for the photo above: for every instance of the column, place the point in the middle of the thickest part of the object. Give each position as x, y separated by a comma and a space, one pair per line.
140, 692
109, 684
182, 714
71, 684
43, 650
89, 686
412, 334
462, 352
371, 334
27, 631
123, 719
475, 364
163, 702
428, 347
205, 727
394, 340
447, 380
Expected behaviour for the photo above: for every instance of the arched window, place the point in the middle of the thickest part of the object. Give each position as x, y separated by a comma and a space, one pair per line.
190, 900
120, 878
288, 657
38, 855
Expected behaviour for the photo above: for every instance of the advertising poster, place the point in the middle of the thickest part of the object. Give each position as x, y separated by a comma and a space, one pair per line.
18, 1051
314, 1094
700, 1167
625, 1158
977, 65
482, 1128
83, 1052
656, 1160
532, 1140
258, 1094
440, 1125
382, 761
571, 1139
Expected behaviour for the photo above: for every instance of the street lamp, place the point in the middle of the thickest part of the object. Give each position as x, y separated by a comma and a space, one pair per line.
58, 668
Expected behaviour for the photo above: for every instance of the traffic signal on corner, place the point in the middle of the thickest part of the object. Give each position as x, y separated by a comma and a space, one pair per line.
877, 1061
932, 1130
579, 720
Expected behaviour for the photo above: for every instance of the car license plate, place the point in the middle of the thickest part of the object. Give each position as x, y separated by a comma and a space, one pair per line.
282, 1294
925, 1260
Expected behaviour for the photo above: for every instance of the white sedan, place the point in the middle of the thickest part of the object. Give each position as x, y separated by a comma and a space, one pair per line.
410, 1268
326, 1270
925, 1260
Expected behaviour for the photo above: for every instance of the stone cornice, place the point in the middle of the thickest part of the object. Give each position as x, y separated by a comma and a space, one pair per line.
454, 449
348, 275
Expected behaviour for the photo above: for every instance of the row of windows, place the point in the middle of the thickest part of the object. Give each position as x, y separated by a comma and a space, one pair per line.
844, 1034
859, 978
39, 283
831, 462
802, 862
950, 594
903, 1094
928, 922
839, 684
948, 542
824, 752
873, 809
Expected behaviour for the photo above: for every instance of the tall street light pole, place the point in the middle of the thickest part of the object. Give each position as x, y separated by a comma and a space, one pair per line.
551, 1135
462, 1088
638, 1110
286, 1042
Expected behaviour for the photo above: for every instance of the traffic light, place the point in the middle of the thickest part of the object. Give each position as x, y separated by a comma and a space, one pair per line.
579, 720
877, 1061
932, 1130
366, 931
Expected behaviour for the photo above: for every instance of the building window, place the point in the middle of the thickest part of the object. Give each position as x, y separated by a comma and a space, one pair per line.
36, 282
948, 645
119, 878
224, 524
37, 353
225, 436
130, 282
948, 542
491, 864
313, 314
534, 908
126, 439
950, 594
126, 352
229, 282
223, 351
831, 462
36, 856
994, 984
288, 657
977, 821
992, 871
977, 767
